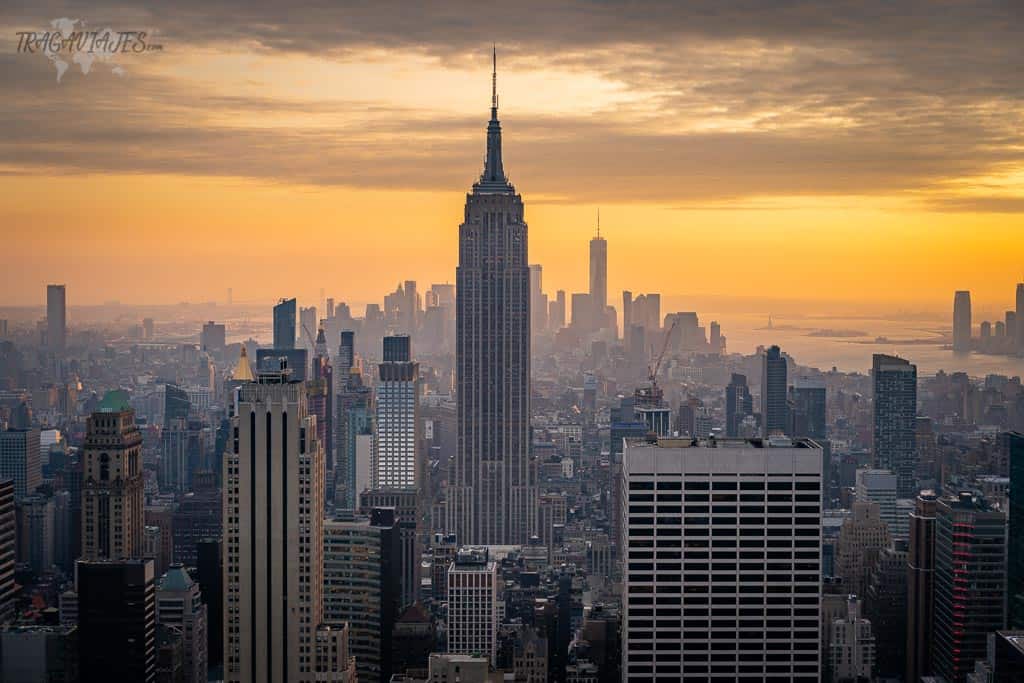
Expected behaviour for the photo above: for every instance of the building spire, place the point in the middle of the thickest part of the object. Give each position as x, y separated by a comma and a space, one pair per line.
599, 221
493, 178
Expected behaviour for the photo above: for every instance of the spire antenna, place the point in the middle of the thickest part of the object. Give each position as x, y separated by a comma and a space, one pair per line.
494, 76
599, 221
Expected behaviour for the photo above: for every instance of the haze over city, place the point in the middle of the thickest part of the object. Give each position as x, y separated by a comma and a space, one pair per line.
538, 342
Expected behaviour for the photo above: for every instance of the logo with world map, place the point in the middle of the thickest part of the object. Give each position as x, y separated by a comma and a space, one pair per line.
69, 42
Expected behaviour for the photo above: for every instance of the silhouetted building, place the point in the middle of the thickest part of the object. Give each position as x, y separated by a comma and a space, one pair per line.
284, 324
117, 621
920, 586
1015, 550
8, 550
20, 460
210, 576
962, 322
56, 318
808, 415
773, 392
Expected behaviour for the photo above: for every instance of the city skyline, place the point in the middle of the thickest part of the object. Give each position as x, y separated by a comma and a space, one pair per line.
735, 128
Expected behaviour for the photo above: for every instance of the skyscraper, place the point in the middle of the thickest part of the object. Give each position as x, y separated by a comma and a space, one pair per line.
1015, 551
320, 389
809, 416
962, 321
180, 604
473, 596
738, 404
598, 275
894, 437
744, 595
1019, 318
273, 535
361, 586
8, 539
284, 324
112, 486
493, 489
397, 467
538, 300
117, 620
20, 460
56, 317
970, 583
773, 392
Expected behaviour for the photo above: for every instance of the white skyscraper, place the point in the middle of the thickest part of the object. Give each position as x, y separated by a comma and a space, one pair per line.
273, 534
722, 571
879, 486
395, 462
473, 604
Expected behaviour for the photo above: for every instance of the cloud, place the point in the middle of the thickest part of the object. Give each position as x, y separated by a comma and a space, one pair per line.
756, 99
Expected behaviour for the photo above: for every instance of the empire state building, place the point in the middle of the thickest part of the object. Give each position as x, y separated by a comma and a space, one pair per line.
492, 492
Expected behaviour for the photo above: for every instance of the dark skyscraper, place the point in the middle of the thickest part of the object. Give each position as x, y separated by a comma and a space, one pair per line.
962, 322
1015, 551
773, 392
117, 621
56, 317
920, 581
970, 583
1019, 318
895, 420
598, 276
492, 494
738, 404
284, 324
808, 408
8, 589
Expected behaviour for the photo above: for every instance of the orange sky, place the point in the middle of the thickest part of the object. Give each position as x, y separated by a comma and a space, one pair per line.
777, 165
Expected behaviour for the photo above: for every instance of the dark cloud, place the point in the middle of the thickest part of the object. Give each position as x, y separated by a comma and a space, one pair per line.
808, 98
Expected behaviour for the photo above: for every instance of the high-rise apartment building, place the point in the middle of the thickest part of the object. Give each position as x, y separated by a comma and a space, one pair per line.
361, 586
20, 460
117, 620
273, 535
473, 595
396, 459
894, 435
962, 322
112, 486
284, 324
56, 318
722, 548
774, 415
738, 404
492, 491
970, 583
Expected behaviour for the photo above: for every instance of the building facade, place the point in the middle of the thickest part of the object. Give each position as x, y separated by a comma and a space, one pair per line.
894, 435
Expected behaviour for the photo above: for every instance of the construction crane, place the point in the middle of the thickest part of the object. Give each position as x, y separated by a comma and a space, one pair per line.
652, 370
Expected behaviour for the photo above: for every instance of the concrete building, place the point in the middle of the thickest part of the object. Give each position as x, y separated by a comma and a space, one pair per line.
273, 535
743, 603
492, 490
863, 536
852, 646
473, 596
112, 487
879, 486
34, 653
179, 604
362, 586
36, 538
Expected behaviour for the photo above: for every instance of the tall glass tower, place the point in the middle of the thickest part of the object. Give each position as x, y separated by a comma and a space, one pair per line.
493, 489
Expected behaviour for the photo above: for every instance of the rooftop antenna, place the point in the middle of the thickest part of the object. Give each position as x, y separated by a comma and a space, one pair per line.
599, 221
494, 76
